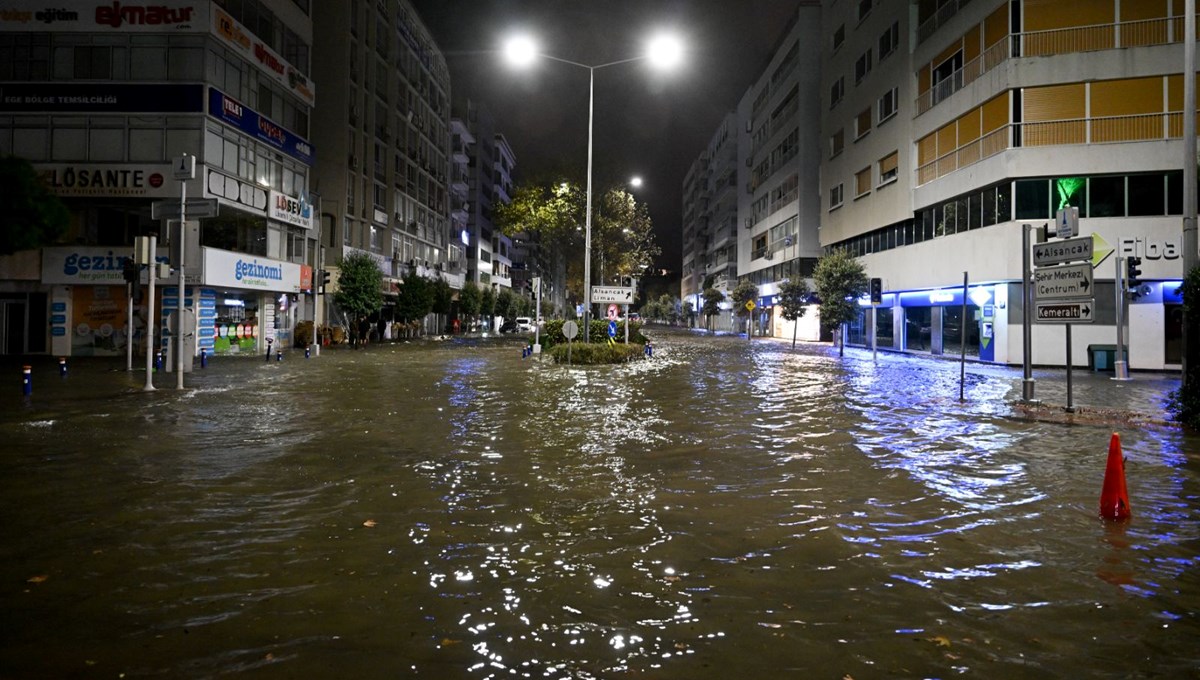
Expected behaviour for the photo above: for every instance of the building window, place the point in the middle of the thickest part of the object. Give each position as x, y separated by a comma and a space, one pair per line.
862, 123
862, 182
864, 8
839, 37
837, 91
889, 41
835, 197
888, 103
836, 142
862, 67
888, 168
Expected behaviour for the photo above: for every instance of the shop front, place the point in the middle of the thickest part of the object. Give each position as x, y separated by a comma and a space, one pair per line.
247, 302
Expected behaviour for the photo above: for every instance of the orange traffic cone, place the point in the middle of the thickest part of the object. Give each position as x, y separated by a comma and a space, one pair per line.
1114, 499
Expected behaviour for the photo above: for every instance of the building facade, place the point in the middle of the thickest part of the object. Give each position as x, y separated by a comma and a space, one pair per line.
384, 128
959, 123
105, 99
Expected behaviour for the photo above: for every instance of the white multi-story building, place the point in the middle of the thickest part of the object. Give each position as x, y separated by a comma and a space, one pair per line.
953, 124
104, 99
486, 181
944, 127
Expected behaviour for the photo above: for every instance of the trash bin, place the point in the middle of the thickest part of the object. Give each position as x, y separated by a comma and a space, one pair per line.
1103, 357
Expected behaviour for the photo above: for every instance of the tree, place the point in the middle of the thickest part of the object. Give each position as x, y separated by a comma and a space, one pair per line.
469, 300
712, 305
416, 297
840, 281
506, 304
742, 294
359, 289
652, 311
32, 216
622, 233
443, 297
487, 304
793, 298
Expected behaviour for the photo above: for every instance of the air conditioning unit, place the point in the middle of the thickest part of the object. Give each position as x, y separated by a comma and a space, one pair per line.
750, 161
353, 162
749, 126
769, 255
748, 222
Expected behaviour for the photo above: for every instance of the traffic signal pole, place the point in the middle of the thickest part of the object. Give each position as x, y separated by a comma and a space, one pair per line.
1120, 366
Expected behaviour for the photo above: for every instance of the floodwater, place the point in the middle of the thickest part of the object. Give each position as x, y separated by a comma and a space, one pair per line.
451, 510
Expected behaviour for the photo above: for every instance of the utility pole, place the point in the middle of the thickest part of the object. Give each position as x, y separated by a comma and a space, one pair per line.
1191, 324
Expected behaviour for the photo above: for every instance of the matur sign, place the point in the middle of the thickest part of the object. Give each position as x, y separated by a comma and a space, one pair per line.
618, 294
1064, 281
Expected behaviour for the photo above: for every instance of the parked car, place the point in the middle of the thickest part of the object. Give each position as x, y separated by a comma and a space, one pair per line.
524, 324
509, 326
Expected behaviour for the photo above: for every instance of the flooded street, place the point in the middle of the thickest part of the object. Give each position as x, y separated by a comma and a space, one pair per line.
449, 510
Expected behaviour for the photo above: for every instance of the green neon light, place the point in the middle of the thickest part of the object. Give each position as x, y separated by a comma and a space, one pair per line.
1067, 187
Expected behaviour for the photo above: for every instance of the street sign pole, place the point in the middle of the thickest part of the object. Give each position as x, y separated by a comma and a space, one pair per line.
184, 170
874, 334
1027, 382
151, 345
1070, 399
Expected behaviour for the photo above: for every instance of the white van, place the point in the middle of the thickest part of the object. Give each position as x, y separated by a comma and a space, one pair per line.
524, 324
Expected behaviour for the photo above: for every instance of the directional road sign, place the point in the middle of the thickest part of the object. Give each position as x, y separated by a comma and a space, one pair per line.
196, 208
618, 294
1070, 250
1063, 281
1074, 311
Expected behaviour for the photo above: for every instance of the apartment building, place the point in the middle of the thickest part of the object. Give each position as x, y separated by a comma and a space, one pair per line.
952, 124
750, 204
779, 151
384, 130
104, 99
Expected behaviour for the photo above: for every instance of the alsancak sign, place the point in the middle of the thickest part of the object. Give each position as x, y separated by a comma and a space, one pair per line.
245, 271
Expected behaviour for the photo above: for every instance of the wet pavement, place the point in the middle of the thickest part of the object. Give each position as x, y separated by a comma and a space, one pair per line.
451, 510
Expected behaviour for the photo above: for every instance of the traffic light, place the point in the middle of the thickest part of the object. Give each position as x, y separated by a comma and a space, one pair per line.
324, 280
132, 271
876, 291
1133, 272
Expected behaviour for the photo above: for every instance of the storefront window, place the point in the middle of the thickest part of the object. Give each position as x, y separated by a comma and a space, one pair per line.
885, 329
236, 324
917, 326
952, 330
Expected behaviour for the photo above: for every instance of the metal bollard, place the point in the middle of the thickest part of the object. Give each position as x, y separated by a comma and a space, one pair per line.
307, 352
270, 341
203, 357
279, 355
27, 380
158, 361
62, 367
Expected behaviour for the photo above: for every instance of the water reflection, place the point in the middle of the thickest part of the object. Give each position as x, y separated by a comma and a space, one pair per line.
455, 511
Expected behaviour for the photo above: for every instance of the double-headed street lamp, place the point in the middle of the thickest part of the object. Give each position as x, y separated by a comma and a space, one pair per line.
662, 52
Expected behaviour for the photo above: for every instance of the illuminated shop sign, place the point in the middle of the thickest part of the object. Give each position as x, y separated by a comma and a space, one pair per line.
73, 16
237, 115
101, 98
110, 179
239, 39
89, 265
227, 269
294, 211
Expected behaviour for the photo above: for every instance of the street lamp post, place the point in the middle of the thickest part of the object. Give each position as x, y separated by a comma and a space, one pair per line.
665, 52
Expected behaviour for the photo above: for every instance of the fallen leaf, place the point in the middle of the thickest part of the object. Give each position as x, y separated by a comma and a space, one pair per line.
680, 645
939, 640
41, 578
369, 523
847, 677
446, 642
269, 656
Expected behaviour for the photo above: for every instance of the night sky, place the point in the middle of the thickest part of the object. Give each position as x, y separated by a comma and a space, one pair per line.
647, 123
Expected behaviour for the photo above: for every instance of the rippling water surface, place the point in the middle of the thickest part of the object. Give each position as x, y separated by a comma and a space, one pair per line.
452, 510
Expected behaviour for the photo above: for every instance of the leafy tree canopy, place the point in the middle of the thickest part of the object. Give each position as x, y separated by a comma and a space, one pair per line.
360, 286
416, 297
30, 215
793, 298
470, 298
744, 292
840, 281
443, 296
712, 301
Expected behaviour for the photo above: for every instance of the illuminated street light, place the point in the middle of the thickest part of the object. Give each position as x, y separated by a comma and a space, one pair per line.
635, 182
662, 52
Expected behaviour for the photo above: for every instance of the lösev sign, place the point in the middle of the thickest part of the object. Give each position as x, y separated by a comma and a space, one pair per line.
1064, 281
294, 211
